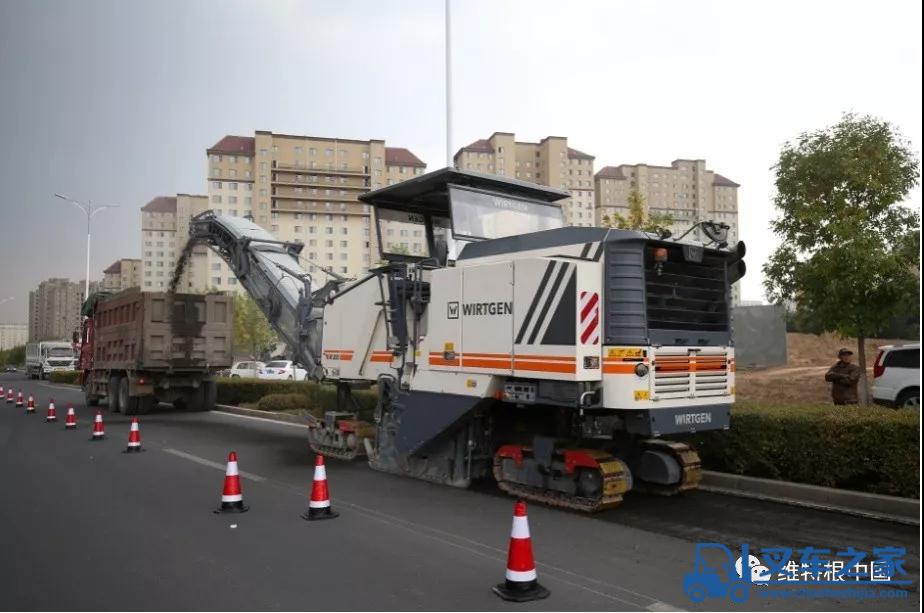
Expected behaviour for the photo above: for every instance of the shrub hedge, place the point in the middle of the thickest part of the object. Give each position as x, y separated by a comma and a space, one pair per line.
64, 376
286, 402
314, 396
868, 449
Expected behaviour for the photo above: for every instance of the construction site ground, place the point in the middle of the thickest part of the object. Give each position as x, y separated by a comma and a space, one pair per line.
802, 379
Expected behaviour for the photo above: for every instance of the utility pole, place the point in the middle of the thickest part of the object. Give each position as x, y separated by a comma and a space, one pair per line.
89, 210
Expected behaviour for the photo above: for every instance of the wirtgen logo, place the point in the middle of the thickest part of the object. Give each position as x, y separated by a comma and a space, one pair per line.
692, 419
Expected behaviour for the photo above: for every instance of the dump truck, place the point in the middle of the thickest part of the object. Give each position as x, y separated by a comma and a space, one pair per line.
506, 345
140, 348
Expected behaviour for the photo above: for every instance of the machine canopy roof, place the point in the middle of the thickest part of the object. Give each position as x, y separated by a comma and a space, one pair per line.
429, 193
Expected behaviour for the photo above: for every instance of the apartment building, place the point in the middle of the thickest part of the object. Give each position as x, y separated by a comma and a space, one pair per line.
305, 189
122, 274
686, 190
164, 234
13, 335
54, 309
549, 162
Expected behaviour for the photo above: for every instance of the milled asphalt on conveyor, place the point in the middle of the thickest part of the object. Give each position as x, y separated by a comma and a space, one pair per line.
84, 526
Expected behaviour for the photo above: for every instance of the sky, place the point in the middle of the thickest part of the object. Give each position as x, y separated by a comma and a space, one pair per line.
116, 101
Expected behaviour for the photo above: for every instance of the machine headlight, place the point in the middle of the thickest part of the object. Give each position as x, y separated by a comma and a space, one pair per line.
641, 369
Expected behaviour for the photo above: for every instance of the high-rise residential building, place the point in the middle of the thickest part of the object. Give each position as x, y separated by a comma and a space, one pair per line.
54, 309
164, 234
304, 189
686, 190
13, 335
549, 162
122, 274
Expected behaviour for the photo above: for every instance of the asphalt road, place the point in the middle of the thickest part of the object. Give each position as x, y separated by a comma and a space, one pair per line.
86, 527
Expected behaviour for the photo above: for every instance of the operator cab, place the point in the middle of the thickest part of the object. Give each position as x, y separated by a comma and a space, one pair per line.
434, 216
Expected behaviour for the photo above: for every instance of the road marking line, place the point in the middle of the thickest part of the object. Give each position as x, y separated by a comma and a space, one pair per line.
662, 606
217, 465
275, 421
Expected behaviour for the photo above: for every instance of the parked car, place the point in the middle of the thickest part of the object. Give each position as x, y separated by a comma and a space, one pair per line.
249, 369
283, 369
9, 369
897, 376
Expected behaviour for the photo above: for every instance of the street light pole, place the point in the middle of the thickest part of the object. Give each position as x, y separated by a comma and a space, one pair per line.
89, 210
448, 84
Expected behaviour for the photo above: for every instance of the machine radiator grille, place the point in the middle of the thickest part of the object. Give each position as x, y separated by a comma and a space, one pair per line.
682, 295
682, 374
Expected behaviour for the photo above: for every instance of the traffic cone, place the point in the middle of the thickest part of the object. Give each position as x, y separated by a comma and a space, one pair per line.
319, 505
52, 413
9, 396
70, 420
232, 498
134, 437
1, 391
30, 405
521, 584
19, 399
99, 433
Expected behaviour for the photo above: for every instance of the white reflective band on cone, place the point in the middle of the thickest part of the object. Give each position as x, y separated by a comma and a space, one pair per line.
520, 529
232, 469
521, 575
99, 433
322, 504
320, 473
232, 497
134, 444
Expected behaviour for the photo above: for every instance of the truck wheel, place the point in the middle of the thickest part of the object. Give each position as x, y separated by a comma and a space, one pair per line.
113, 394
126, 402
209, 395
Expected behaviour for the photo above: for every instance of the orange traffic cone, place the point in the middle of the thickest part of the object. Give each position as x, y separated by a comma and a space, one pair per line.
19, 399
30, 405
99, 433
52, 414
70, 420
134, 437
232, 498
9, 396
521, 584
319, 505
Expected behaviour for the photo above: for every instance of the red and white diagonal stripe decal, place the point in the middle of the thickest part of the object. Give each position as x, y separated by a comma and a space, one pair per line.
590, 317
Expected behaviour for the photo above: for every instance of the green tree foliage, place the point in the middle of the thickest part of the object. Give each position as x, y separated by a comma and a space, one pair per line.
13, 355
252, 333
638, 217
849, 255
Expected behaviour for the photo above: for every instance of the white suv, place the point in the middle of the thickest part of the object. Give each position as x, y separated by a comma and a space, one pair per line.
897, 376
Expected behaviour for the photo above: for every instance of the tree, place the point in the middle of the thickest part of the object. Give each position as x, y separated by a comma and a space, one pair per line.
638, 218
850, 251
13, 355
252, 333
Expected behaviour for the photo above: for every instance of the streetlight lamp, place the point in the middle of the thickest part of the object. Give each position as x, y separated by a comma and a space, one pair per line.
89, 210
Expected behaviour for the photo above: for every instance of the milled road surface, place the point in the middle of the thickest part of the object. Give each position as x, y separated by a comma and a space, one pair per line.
86, 527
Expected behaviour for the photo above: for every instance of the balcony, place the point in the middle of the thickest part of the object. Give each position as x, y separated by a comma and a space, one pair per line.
318, 185
320, 171
317, 197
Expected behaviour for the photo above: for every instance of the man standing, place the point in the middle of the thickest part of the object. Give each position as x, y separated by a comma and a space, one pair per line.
844, 377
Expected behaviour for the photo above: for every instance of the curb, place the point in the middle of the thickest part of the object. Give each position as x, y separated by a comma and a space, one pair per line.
862, 504
271, 415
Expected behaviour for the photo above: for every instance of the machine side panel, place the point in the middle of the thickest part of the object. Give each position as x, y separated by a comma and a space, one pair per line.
442, 347
486, 311
544, 319
349, 331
